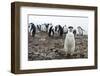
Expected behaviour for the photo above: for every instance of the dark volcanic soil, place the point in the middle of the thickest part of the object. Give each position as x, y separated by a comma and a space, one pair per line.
42, 47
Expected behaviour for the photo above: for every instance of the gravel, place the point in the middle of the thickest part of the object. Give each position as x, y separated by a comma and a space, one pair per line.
42, 47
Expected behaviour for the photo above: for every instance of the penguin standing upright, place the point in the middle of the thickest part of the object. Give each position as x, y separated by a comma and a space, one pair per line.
51, 31
32, 29
69, 43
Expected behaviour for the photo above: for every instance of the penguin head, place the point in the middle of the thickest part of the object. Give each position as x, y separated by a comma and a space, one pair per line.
70, 29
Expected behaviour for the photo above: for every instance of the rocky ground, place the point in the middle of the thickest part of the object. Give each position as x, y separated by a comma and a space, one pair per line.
42, 47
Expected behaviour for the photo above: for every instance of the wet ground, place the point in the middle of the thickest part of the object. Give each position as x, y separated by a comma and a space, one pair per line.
42, 47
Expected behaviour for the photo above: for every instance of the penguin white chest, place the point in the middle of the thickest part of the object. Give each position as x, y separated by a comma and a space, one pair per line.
69, 44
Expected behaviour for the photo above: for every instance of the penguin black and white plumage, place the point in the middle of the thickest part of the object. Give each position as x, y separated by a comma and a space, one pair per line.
51, 31
74, 32
32, 29
47, 26
80, 30
69, 43
60, 30
65, 29
57, 30
38, 27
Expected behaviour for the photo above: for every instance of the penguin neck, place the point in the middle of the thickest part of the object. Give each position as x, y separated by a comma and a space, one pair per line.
70, 31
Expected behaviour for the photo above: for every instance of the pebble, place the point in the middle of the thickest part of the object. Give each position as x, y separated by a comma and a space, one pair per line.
53, 49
